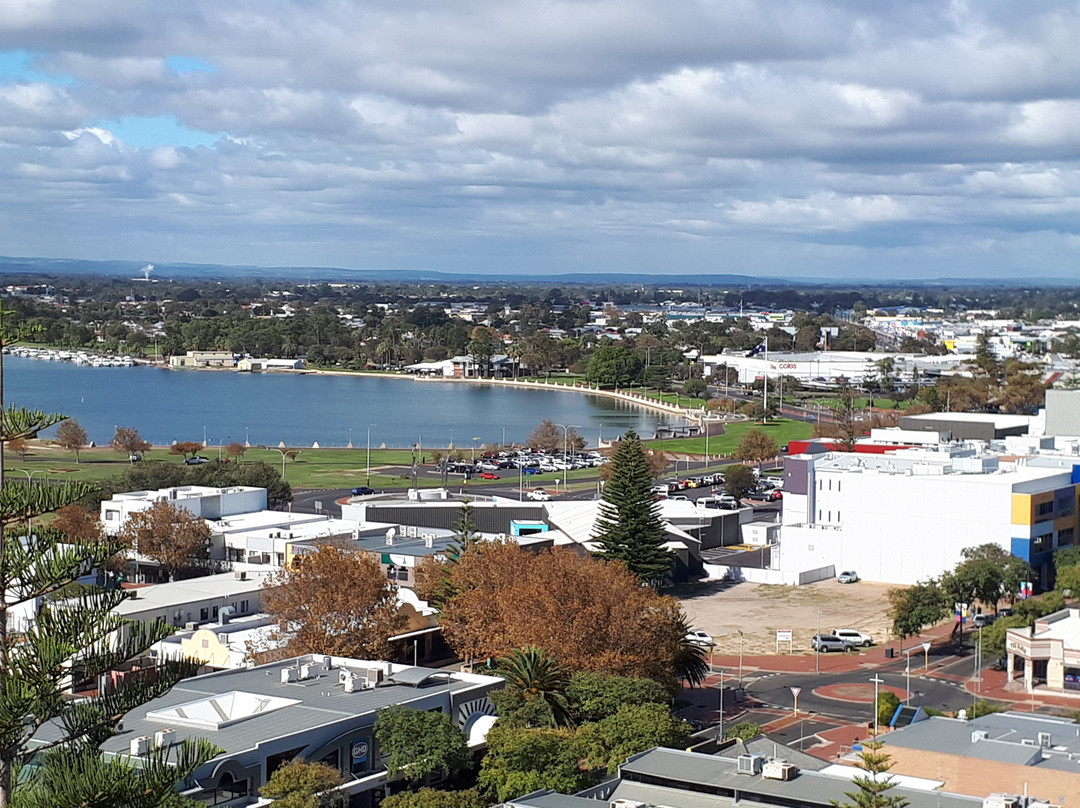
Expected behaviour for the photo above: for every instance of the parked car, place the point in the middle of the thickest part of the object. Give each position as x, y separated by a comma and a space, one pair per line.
194, 461
764, 496
135, 457
488, 475
824, 643
363, 491
539, 494
856, 638
847, 577
699, 637
729, 503
984, 619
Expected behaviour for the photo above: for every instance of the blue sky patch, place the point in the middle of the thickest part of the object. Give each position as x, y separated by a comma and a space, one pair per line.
188, 64
160, 130
15, 65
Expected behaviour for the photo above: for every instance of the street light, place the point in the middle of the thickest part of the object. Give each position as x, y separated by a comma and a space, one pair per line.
907, 675
877, 680
474, 440
740, 657
565, 434
367, 475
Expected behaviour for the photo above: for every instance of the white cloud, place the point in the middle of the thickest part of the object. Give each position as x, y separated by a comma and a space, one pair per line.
570, 134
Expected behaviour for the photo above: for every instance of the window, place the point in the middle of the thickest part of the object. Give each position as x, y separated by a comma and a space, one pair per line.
215, 612
206, 643
819, 514
112, 516
204, 614
838, 516
838, 486
1066, 536
1045, 509
830, 485
403, 573
243, 607
1040, 544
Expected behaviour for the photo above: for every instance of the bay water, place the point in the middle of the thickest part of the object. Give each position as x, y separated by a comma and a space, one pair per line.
219, 407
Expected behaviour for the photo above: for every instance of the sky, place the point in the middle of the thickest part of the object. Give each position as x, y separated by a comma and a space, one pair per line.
882, 140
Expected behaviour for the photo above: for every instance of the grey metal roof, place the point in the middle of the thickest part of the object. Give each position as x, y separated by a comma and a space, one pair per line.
678, 772
762, 745
550, 799
321, 702
1011, 737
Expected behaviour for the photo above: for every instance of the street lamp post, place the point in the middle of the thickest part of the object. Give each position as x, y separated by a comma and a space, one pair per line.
907, 676
474, 440
367, 473
740, 657
877, 680
565, 435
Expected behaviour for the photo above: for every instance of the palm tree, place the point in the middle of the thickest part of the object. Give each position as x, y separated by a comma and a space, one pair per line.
691, 660
539, 678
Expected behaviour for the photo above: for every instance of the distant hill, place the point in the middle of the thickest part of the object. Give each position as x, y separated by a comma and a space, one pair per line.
57, 267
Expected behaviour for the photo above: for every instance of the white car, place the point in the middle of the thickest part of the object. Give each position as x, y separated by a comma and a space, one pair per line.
699, 637
539, 494
856, 638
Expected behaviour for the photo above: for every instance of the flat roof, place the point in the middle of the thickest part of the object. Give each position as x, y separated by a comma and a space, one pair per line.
313, 703
176, 593
679, 779
999, 420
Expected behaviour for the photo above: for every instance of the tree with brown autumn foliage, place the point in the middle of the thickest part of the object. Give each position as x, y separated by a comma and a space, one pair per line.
72, 437
170, 535
186, 447
235, 450
127, 439
590, 614
336, 601
20, 447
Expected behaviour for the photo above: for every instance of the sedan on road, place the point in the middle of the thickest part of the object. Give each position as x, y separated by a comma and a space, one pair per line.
489, 475
847, 577
699, 637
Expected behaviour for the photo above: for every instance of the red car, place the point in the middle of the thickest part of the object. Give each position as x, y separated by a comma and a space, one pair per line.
489, 475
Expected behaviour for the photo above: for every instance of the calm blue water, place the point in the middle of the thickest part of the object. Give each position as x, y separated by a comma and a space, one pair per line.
271, 408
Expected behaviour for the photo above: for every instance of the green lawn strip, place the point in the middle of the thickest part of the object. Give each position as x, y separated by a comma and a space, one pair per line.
782, 430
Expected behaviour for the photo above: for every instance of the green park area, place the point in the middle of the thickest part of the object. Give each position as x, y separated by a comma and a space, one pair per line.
782, 430
347, 468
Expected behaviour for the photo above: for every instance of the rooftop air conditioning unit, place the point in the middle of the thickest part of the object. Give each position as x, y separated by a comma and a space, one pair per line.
429, 540
289, 675
241, 576
979, 735
779, 770
627, 804
191, 625
997, 800
305, 671
164, 737
139, 746
1044, 740
749, 764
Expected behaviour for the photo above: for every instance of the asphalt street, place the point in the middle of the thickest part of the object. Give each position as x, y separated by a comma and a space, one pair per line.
774, 690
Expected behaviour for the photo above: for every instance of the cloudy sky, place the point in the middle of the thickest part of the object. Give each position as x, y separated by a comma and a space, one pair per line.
863, 139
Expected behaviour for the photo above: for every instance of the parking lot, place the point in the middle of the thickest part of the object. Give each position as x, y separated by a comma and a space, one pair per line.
760, 609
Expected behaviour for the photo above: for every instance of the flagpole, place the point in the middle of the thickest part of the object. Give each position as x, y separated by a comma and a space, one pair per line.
765, 399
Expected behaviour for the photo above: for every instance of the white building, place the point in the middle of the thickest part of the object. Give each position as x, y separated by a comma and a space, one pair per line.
906, 516
201, 501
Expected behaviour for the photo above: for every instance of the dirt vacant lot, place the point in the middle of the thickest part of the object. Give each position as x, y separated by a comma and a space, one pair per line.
760, 609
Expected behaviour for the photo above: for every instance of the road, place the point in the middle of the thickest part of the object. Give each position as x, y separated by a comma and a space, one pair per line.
774, 690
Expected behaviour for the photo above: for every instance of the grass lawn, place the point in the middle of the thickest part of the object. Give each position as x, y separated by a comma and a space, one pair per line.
311, 468
783, 431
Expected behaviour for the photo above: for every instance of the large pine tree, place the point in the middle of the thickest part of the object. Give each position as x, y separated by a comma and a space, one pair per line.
50, 744
629, 528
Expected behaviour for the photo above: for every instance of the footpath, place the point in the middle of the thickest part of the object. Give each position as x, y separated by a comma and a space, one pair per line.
831, 738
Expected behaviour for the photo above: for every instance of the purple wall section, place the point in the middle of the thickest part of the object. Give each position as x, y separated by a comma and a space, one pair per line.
795, 475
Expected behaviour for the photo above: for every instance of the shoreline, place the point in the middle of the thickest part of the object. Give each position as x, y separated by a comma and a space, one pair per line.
638, 399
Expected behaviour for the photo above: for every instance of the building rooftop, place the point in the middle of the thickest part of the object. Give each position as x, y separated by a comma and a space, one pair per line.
239, 709
1008, 737
176, 593
679, 779
999, 420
